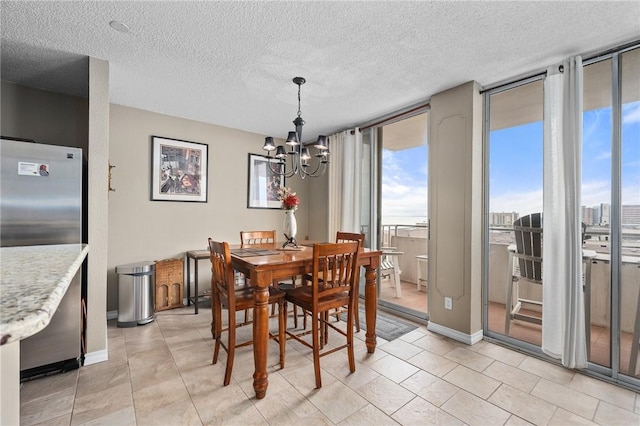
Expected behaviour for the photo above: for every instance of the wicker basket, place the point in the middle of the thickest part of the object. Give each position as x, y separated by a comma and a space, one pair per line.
169, 284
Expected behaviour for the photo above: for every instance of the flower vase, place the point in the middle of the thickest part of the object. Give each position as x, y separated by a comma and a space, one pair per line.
290, 228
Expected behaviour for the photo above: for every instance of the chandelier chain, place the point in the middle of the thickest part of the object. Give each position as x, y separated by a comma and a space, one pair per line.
299, 111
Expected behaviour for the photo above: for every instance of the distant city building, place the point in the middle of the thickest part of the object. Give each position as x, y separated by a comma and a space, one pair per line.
589, 216
502, 219
596, 215
631, 215
601, 215
605, 214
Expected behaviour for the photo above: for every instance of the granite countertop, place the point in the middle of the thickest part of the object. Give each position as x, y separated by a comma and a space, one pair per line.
33, 280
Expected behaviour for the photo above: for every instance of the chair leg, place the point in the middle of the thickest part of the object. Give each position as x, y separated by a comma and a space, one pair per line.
509, 301
356, 311
231, 346
217, 331
214, 334
633, 359
396, 278
304, 319
282, 326
352, 360
316, 348
325, 328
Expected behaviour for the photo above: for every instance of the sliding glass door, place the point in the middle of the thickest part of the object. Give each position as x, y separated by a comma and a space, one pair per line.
402, 215
610, 211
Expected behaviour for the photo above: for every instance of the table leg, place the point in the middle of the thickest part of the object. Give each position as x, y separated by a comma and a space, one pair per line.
195, 286
189, 280
371, 306
260, 332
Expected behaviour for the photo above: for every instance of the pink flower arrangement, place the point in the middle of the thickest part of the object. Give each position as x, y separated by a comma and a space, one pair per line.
289, 199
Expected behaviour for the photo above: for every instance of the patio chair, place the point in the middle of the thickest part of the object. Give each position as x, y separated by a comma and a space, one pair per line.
528, 252
390, 267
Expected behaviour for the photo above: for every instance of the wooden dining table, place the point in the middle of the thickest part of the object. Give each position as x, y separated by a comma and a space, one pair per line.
283, 264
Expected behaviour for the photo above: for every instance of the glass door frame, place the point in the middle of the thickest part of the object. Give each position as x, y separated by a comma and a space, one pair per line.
376, 210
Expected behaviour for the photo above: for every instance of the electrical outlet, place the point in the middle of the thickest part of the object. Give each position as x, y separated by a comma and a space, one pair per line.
448, 303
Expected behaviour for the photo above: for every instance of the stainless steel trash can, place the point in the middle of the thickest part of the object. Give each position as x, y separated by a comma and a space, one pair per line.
136, 285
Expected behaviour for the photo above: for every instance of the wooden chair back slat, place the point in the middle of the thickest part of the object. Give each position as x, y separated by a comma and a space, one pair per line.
222, 275
528, 233
258, 239
338, 261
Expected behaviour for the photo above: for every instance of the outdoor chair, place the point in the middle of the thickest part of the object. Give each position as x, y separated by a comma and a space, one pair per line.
528, 252
390, 267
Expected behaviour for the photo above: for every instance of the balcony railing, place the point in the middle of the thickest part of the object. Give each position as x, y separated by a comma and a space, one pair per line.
412, 241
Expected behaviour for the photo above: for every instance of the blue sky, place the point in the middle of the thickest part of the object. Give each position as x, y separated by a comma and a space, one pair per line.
516, 168
516, 162
404, 183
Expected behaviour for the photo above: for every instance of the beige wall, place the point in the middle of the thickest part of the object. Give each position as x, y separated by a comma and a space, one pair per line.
43, 116
140, 229
455, 209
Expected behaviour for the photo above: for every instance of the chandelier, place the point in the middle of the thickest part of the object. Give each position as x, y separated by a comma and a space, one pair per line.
296, 159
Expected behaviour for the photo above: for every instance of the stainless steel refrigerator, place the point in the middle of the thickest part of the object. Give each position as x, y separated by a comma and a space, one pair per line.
41, 204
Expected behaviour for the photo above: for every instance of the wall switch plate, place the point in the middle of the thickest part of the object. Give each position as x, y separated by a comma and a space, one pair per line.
448, 303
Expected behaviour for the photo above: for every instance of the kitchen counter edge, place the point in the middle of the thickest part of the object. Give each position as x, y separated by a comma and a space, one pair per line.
33, 281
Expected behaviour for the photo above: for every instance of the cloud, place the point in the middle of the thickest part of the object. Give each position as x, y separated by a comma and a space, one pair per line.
605, 155
631, 113
523, 202
595, 192
404, 190
404, 200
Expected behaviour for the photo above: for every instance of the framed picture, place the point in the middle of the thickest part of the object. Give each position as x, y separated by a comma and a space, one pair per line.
263, 183
178, 170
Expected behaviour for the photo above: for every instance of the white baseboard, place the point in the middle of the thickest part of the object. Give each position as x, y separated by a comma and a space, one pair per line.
96, 357
112, 315
467, 339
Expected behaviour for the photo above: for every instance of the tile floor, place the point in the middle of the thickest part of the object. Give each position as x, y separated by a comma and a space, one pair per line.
161, 374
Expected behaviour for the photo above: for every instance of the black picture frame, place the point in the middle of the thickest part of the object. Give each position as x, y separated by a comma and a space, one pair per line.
179, 170
263, 184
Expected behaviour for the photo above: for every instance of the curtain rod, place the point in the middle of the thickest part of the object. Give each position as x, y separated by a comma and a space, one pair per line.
368, 126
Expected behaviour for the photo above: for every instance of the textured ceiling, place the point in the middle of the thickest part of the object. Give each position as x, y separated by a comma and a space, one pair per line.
231, 63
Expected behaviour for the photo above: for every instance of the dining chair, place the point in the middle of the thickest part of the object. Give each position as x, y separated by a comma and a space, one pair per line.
343, 237
267, 240
226, 295
258, 239
340, 262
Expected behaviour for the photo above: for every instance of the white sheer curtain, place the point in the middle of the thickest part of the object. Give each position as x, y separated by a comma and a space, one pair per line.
563, 325
345, 172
